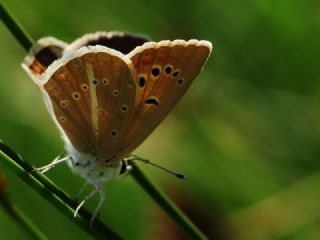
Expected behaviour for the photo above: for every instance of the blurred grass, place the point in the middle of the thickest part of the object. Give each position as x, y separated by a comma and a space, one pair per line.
245, 134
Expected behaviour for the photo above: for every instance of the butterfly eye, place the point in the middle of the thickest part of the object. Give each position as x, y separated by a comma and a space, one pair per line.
123, 167
152, 100
115, 92
76, 95
95, 81
155, 71
176, 73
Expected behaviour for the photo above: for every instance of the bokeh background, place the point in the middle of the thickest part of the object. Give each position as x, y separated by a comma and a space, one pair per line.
247, 133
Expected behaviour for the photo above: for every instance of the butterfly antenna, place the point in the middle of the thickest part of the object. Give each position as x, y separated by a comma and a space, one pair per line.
146, 161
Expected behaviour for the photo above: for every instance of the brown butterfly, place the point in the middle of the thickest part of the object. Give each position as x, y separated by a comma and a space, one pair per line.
107, 92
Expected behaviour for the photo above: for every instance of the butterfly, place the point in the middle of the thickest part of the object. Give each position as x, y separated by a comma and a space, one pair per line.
108, 91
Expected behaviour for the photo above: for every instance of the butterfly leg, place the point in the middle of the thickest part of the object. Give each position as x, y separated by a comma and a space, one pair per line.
98, 189
84, 200
81, 191
97, 210
56, 161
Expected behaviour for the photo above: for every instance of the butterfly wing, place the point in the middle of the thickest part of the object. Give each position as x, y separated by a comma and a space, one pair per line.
164, 71
107, 103
41, 55
120, 41
90, 94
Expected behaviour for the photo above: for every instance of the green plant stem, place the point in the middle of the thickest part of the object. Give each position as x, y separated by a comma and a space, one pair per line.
21, 219
138, 175
168, 206
54, 195
15, 28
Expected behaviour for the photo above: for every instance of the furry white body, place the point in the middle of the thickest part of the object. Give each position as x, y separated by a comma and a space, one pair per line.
88, 167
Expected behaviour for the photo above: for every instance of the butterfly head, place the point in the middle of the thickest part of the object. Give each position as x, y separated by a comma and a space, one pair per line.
92, 168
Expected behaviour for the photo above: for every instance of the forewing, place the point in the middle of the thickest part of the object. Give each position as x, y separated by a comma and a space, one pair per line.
164, 72
91, 93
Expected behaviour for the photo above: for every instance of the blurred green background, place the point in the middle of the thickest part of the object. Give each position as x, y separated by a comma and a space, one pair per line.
247, 133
